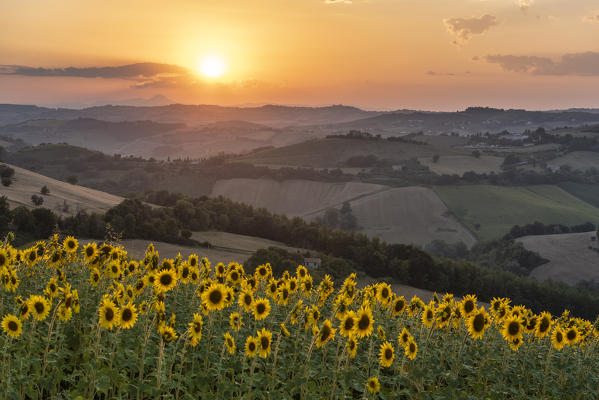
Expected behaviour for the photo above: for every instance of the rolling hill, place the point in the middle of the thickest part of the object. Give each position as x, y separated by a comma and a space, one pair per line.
76, 198
570, 259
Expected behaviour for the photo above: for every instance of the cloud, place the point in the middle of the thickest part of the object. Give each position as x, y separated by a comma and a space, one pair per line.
131, 71
592, 18
525, 4
464, 28
337, 1
578, 64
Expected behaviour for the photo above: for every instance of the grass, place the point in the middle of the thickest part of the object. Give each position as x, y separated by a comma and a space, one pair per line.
578, 160
495, 209
585, 192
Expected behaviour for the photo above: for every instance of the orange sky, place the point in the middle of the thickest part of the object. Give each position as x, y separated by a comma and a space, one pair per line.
384, 54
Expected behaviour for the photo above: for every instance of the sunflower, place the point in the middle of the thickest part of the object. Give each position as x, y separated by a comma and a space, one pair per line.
90, 251
264, 338
12, 325
246, 300
70, 244
52, 288
512, 328
234, 277
220, 270
301, 272
261, 308
251, 346
64, 313
195, 329
272, 288
127, 316
428, 316
214, 296
383, 293
398, 306
166, 279
40, 307
477, 323
352, 346
229, 343
558, 339
283, 295
373, 385
515, 344
109, 315
183, 272
24, 311
325, 333
411, 350
404, 337
347, 324
168, 333
571, 335
543, 325
4, 258
193, 260
364, 322
386, 355
468, 305
307, 285
235, 321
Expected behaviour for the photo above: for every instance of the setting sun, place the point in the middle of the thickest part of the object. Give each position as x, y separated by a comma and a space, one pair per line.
212, 66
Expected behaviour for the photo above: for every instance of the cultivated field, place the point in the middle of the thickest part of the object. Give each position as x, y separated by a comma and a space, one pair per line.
291, 197
335, 152
463, 163
494, 209
395, 215
585, 192
570, 259
581, 160
78, 198
408, 215
239, 243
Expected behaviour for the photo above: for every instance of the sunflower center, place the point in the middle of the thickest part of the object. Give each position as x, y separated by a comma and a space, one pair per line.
89, 251
185, 273
571, 335
544, 325
388, 354
513, 328
127, 315
215, 296
468, 306
264, 342
166, 279
39, 307
398, 306
478, 323
13, 326
109, 314
559, 337
252, 346
385, 293
364, 322
234, 276
349, 324
260, 308
324, 334
412, 347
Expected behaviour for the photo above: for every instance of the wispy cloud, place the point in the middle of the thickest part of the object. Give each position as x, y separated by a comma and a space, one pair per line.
594, 17
578, 64
464, 28
338, 1
525, 4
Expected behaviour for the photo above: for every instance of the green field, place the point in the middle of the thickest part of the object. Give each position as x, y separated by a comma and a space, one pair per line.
586, 192
496, 208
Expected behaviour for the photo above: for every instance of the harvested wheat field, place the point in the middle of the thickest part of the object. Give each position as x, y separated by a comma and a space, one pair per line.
77, 198
570, 259
291, 197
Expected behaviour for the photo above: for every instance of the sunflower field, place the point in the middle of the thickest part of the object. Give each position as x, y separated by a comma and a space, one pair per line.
89, 322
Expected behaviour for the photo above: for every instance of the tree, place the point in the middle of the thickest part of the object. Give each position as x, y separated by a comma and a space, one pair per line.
6, 181
476, 154
37, 200
44, 190
72, 179
436, 158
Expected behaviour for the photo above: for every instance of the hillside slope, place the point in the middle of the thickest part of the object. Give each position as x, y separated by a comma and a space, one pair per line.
77, 198
570, 259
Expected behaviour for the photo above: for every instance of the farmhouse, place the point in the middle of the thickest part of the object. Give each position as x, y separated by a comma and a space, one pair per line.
312, 263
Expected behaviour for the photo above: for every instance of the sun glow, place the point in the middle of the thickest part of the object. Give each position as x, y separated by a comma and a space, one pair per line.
212, 66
